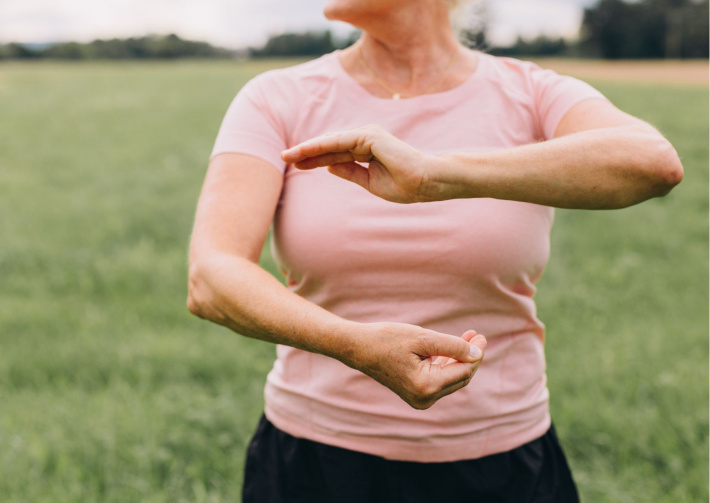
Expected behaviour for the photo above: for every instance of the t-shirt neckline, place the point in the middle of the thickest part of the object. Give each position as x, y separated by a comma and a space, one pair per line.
450, 94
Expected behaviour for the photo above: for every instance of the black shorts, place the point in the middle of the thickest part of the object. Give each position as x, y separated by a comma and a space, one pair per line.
281, 468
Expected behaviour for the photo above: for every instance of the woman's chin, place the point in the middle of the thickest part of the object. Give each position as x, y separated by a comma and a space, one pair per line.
333, 14
342, 10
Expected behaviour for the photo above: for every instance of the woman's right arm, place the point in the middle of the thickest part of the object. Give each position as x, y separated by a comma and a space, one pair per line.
227, 286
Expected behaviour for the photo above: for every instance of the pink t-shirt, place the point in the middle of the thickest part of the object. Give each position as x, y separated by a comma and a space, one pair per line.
448, 266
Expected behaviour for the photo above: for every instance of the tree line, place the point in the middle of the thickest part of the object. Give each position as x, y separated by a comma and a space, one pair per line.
615, 29
149, 47
611, 29
623, 29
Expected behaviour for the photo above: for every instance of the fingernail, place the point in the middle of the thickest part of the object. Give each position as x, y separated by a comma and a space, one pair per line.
475, 351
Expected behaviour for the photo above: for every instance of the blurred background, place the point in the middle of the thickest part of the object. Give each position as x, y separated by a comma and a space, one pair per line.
133, 29
111, 391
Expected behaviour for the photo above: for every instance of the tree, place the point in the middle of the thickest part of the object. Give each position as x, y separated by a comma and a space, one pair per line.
540, 46
17, 51
70, 50
297, 44
646, 29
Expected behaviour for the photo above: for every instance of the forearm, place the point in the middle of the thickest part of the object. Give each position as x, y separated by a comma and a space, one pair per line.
597, 169
236, 293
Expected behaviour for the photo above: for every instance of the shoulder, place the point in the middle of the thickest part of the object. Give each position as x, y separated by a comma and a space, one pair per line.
301, 79
284, 95
509, 64
515, 72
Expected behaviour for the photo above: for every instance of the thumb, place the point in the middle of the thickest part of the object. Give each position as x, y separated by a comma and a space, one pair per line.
468, 336
449, 345
352, 172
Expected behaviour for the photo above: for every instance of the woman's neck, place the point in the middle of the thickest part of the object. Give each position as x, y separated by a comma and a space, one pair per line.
409, 49
409, 43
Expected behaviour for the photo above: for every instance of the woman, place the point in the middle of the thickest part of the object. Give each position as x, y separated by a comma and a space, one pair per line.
369, 399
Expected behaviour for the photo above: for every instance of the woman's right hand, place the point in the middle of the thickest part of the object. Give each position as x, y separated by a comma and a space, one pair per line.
404, 358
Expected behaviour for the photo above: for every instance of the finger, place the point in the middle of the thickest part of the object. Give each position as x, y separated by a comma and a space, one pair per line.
452, 374
436, 344
441, 360
480, 341
473, 337
353, 172
457, 385
335, 142
476, 339
468, 335
450, 390
324, 160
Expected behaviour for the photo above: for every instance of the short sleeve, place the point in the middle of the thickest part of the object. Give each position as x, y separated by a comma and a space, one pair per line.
555, 94
252, 127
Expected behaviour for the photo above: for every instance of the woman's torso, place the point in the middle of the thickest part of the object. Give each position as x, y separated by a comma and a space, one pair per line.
449, 266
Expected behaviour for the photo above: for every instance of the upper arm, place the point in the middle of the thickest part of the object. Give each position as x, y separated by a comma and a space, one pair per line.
567, 105
663, 164
595, 113
245, 175
236, 207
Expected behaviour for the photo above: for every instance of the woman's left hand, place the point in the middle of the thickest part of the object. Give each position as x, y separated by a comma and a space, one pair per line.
396, 171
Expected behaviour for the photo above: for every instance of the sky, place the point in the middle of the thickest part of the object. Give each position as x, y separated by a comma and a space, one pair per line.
241, 23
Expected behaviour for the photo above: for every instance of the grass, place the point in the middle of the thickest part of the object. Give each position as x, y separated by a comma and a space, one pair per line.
110, 391
625, 301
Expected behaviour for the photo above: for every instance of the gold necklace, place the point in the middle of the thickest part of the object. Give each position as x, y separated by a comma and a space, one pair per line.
395, 94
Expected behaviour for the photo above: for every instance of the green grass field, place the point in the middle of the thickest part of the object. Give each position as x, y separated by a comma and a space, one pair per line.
110, 391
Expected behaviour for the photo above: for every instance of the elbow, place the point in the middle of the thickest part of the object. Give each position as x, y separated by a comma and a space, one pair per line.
669, 170
204, 298
652, 168
195, 303
654, 175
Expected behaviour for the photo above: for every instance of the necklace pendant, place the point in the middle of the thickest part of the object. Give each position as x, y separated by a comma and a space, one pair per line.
396, 96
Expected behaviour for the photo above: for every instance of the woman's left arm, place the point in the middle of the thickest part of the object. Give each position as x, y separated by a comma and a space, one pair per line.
600, 158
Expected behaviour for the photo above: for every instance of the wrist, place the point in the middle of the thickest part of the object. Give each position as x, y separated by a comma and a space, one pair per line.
363, 345
347, 342
448, 177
